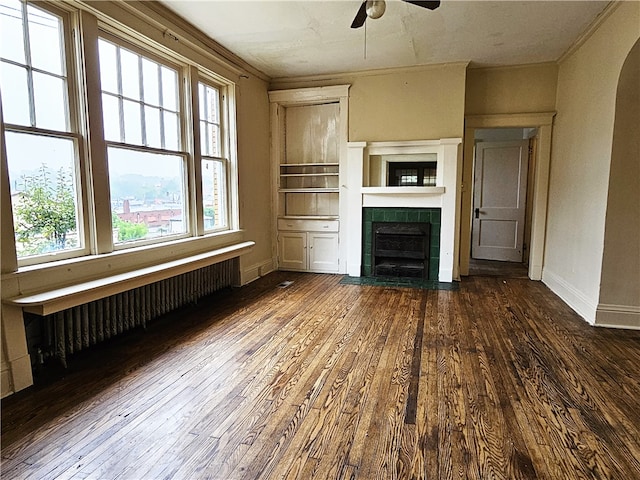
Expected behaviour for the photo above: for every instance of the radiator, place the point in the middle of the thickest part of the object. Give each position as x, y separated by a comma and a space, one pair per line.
64, 333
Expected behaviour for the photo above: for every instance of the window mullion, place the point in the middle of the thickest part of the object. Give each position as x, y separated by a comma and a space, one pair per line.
143, 123
27, 61
161, 103
120, 94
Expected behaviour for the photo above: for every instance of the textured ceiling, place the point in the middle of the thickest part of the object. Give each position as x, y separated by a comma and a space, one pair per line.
300, 38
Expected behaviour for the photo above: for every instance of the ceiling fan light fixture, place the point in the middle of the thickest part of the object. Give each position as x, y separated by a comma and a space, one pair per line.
375, 8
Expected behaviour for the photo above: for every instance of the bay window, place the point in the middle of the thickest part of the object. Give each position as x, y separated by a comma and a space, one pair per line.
67, 177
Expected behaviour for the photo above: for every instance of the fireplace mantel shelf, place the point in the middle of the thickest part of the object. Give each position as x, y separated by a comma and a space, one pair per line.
403, 190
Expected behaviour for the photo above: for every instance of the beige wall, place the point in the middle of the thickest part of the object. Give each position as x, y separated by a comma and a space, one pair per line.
254, 175
529, 88
421, 103
581, 156
619, 302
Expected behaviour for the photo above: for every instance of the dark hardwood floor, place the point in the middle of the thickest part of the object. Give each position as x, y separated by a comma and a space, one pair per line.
497, 380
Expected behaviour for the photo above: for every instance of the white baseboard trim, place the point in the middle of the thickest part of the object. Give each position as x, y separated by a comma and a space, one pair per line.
618, 316
535, 272
255, 271
577, 300
445, 275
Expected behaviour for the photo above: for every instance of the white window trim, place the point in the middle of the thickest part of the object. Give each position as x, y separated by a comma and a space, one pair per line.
73, 132
226, 144
82, 27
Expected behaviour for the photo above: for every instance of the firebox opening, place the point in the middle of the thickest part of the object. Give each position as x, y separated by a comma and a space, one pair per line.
400, 249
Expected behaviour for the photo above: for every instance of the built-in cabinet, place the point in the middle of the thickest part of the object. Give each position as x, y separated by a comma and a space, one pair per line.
309, 146
308, 245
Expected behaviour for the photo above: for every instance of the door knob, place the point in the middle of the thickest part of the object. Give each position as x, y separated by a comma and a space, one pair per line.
477, 210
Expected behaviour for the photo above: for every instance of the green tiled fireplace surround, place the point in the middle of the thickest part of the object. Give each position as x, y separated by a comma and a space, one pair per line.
401, 215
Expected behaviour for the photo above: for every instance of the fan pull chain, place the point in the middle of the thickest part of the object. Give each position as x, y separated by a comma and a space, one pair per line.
365, 40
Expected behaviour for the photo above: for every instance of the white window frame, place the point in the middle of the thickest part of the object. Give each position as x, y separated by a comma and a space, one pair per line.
225, 150
183, 115
73, 129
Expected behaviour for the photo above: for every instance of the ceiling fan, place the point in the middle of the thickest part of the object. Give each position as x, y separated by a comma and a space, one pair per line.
375, 9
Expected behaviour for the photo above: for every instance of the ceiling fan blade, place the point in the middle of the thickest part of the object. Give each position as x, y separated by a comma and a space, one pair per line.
361, 16
424, 4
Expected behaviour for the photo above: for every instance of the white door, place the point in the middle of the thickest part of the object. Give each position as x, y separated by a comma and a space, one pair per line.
323, 252
499, 200
292, 250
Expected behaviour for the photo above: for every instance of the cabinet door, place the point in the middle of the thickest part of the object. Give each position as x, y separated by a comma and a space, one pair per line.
292, 251
323, 252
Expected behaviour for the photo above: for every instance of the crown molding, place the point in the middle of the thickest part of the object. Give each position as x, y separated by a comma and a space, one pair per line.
590, 30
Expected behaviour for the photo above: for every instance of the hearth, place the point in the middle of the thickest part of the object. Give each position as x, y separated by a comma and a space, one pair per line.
400, 249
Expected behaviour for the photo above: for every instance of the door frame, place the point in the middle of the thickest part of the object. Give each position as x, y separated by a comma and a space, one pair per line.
540, 178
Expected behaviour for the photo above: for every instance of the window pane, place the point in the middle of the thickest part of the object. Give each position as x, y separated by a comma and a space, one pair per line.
171, 139
201, 100
111, 118
212, 134
43, 193
209, 106
50, 102
214, 182
45, 40
147, 195
150, 82
11, 36
152, 121
169, 89
130, 74
108, 67
212, 105
204, 139
15, 94
132, 122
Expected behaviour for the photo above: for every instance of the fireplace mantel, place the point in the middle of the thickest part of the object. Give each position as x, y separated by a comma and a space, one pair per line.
445, 195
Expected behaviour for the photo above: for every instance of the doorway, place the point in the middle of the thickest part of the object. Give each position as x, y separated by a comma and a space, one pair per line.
501, 165
537, 184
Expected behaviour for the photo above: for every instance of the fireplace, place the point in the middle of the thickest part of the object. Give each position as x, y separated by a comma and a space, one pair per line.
404, 233
400, 250
370, 197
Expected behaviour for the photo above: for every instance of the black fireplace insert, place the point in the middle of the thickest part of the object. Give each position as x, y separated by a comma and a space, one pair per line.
400, 249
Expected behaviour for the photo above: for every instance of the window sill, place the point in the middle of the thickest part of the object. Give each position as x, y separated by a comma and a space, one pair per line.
55, 300
53, 275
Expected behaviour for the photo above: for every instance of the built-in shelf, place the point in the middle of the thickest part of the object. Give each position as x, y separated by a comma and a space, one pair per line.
321, 164
403, 190
308, 174
308, 217
308, 190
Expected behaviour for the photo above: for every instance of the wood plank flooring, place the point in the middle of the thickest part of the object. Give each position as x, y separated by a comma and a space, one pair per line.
497, 380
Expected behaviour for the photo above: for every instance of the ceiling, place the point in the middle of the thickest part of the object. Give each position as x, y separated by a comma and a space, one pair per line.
313, 37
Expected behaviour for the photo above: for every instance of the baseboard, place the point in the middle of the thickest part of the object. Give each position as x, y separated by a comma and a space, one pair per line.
618, 316
445, 275
577, 300
5, 381
20, 373
255, 271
